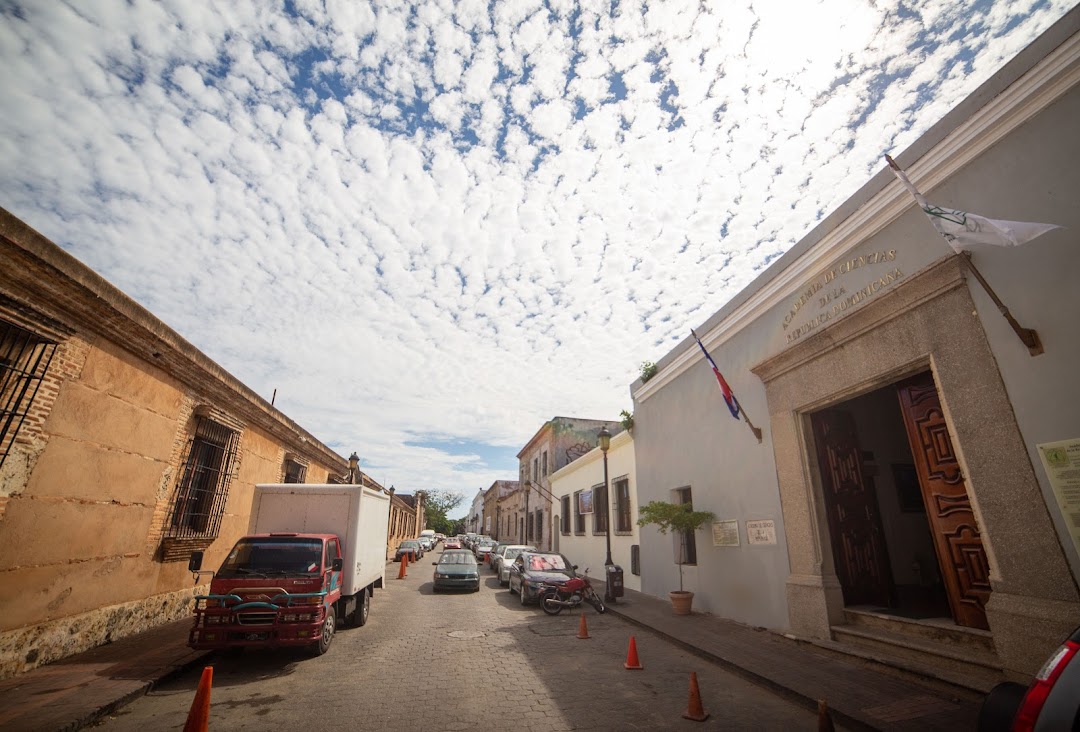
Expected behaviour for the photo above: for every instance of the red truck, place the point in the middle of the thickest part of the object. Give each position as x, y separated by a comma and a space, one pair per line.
313, 559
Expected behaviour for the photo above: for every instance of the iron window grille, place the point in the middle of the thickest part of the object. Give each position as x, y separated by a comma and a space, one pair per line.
544, 464
24, 360
199, 501
566, 515
622, 512
295, 472
539, 525
687, 539
579, 517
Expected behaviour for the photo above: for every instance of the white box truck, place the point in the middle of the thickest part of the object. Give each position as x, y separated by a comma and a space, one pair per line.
313, 557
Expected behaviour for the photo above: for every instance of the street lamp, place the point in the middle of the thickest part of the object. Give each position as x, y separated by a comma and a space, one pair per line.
605, 443
354, 467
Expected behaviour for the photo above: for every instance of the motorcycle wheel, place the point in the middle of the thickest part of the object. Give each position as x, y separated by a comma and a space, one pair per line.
549, 601
597, 603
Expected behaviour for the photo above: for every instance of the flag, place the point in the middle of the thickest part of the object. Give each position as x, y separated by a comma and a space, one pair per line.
729, 396
961, 229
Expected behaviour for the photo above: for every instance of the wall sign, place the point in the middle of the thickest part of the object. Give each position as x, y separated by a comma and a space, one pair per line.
761, 532
1062, 463
837, 290
725, 533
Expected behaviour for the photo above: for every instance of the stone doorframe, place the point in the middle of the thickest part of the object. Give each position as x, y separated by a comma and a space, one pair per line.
927, 321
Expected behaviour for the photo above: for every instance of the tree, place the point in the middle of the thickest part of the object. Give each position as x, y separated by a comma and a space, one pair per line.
679, 517
437, 505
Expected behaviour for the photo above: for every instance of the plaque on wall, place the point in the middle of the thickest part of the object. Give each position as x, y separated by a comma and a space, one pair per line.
1062, 463
761, 532
725, 533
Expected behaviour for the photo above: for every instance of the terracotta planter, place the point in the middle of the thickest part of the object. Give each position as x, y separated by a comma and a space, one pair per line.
681, 601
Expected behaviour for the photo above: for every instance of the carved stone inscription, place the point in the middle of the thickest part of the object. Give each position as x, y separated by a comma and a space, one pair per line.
838, 290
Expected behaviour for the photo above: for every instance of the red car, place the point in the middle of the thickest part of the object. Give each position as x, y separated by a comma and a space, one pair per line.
451, 544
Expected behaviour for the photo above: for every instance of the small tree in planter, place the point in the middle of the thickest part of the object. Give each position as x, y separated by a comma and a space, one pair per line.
678, 517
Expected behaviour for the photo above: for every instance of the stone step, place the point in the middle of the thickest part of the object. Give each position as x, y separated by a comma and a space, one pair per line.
963, 666
939, 630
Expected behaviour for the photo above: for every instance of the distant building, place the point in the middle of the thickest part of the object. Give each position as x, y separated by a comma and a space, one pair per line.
476, 513
559, 442
122, 449
914, 471
492, 511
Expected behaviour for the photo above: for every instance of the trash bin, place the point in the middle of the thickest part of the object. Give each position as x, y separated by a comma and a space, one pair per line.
614, 583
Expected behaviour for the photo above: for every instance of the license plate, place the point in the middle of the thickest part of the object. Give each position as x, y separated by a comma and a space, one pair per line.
256, 636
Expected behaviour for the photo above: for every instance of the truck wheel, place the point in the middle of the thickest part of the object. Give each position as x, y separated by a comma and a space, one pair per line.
320, 646
363, 609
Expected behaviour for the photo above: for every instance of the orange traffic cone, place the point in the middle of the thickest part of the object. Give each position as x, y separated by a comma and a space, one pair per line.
401, 572
198, 718
824, 720
632, 661
694, 709
583, 629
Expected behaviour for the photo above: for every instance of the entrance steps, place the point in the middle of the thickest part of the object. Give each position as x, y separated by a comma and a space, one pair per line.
936, 648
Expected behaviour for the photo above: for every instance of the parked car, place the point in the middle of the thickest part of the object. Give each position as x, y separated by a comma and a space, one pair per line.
456, 570
504, 556
426, 542
494, 552
1052, 702
531, 569
409, 546
483, 546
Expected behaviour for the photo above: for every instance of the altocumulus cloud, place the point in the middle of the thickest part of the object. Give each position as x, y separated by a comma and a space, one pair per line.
434, 226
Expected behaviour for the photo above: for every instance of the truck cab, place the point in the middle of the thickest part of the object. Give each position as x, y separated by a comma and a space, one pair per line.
275, 589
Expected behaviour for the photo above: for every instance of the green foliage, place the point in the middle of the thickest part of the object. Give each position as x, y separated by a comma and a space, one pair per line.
437, 505
627, 420
673, 516
648, 370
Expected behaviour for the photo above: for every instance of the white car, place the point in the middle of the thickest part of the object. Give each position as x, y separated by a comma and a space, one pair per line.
506, 555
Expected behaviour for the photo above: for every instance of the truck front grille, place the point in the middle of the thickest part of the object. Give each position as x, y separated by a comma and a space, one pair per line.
261, 618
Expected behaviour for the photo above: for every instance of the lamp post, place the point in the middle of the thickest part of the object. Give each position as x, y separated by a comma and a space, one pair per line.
605, 443
354, 467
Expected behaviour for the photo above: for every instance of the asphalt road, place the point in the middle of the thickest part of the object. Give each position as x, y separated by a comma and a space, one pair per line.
461, 662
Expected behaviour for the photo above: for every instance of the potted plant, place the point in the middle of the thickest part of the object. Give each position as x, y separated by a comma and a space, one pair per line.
677, 517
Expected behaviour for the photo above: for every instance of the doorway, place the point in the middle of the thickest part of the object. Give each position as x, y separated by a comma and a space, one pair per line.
904, 538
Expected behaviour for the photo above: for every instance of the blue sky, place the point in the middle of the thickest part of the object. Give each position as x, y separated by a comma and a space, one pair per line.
431, 227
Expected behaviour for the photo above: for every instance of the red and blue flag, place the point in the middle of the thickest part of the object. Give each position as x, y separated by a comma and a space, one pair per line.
729, 396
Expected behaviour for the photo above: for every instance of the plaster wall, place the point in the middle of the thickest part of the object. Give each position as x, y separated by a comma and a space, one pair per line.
590, 550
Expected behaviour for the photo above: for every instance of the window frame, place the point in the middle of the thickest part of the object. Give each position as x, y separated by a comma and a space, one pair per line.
623, 507
195, 511
685, 541
600, 515
25, 357
565, 519
579, 517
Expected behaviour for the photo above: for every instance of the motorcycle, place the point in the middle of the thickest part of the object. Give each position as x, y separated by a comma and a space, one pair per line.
555, 597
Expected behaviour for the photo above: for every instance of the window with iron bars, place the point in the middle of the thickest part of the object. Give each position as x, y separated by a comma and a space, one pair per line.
600, 509
199, 501
24, 359
295, 472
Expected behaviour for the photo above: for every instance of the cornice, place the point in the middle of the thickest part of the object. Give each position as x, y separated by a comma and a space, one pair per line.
887, 200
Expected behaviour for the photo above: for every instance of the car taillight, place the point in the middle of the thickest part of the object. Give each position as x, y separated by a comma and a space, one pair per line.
1028, 714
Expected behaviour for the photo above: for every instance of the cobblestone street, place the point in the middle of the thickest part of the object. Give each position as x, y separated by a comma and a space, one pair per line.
467, 661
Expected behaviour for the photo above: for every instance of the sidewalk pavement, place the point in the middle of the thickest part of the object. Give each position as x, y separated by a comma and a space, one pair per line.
859, 696
72, 693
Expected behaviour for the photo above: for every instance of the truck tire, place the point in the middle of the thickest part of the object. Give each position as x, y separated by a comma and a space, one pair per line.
320, 646
363, 609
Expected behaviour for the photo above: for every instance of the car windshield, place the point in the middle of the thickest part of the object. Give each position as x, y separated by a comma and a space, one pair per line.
457, 558
512, 553
274, 556
409, 545
546, 562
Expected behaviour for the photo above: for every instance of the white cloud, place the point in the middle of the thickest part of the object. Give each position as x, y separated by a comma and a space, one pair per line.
416, 225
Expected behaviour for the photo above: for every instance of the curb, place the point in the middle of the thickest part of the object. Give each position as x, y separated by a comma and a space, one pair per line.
148, 686
788, 693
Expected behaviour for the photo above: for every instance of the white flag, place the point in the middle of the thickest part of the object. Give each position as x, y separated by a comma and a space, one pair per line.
962, 229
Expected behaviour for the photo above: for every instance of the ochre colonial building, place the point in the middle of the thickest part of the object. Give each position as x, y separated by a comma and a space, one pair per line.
122, 449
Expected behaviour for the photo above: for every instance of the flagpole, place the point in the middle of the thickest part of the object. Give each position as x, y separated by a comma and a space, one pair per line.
755, 430
1027, 336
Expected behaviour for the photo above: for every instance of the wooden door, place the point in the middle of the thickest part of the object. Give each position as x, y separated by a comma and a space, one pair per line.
858, 543
964, 568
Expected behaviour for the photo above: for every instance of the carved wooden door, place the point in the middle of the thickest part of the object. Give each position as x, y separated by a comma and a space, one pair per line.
858, 543
964, 568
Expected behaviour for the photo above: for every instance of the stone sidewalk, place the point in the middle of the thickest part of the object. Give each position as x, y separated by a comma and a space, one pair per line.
858, 695
70, 694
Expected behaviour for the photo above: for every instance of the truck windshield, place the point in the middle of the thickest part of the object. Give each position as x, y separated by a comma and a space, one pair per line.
273, 557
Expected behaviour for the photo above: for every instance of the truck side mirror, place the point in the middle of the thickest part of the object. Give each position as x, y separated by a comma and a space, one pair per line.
337, 564
195, 562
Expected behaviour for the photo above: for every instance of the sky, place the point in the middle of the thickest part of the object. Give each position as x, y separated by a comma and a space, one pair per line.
432, 227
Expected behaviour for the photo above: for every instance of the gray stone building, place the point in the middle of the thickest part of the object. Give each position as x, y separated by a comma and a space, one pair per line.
903, 497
